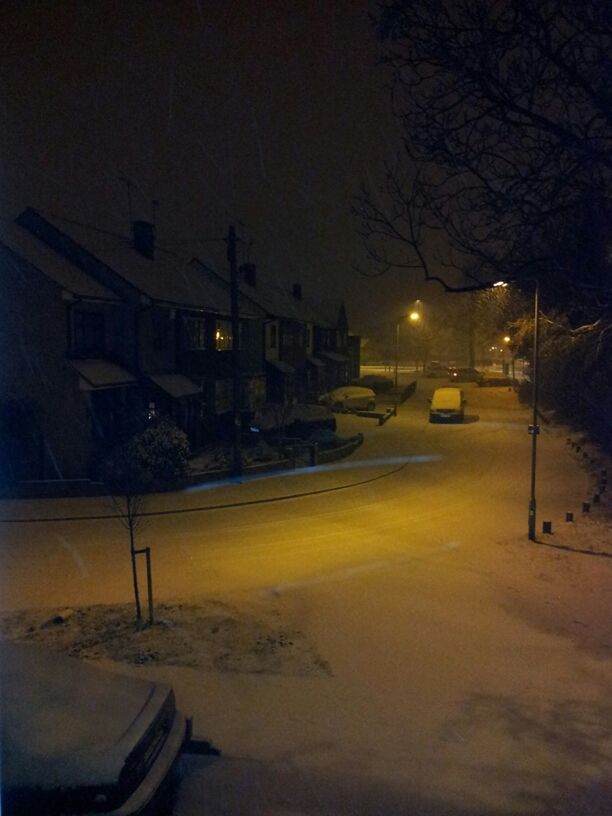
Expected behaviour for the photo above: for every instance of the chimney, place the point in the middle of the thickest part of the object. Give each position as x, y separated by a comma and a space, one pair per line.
249, 273
144, 238
297, 291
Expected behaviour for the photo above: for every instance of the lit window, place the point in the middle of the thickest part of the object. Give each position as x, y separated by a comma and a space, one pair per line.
223, 335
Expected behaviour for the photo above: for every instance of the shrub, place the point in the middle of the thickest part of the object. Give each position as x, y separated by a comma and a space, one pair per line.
162, 450
158, 454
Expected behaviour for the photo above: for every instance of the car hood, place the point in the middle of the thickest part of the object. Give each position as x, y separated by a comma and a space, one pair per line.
67, 723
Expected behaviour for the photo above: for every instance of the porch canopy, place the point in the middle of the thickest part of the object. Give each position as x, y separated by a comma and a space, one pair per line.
333, 355
281, 366
176, 385
316, 362
95, 375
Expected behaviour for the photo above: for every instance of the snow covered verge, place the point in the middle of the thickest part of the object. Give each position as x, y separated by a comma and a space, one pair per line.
208, 634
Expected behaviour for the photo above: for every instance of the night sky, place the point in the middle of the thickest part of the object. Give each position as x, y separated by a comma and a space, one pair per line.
268, 115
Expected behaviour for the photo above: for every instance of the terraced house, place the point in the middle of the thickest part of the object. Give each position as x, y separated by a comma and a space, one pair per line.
98, 328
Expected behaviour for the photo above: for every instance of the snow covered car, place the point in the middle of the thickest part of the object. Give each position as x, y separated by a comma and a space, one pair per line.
435, 369
447, 405
466, 374
350, 398
376, 382
77, 739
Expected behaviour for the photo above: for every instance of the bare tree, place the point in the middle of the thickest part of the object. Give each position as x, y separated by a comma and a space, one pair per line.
506, 112
157, 455
127, 482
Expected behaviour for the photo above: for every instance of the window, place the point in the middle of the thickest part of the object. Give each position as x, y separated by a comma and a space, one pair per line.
287, 341
273, 336
89, 333
223, 335
194, 333
293, 335
160, 330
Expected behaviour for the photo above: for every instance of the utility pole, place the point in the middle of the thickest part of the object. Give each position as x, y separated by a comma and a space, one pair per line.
234, 301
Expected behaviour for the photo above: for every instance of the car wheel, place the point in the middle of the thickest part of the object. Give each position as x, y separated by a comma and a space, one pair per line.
370, 406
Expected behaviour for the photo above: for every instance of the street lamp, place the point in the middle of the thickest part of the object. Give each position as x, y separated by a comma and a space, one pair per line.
534, 428
414, 316
505, 365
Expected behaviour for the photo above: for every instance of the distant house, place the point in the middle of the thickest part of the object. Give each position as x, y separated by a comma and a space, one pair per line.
331, 345
306, 346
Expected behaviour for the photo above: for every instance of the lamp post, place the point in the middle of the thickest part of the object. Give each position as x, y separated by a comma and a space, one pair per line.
414, 316
534, 428
505, 366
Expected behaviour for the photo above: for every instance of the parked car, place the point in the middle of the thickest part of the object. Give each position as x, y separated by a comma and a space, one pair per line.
376, 382
350, 398
77, 739
464, 375
435, 369
492, 380
447, 405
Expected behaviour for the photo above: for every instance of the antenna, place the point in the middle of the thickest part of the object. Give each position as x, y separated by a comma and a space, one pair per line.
128, 185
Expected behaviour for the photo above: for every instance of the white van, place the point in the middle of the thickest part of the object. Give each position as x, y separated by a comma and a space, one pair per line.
447, 405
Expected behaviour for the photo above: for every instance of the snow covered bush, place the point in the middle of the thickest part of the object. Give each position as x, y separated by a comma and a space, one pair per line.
161, 450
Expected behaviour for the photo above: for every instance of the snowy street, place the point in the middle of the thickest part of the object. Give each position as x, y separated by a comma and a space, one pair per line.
470, 669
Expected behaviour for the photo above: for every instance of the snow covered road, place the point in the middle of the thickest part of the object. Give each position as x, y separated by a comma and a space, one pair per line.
471, 669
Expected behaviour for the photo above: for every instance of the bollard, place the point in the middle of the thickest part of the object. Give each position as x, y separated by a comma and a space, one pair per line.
596, 498
547, 526
586, 507
569, 516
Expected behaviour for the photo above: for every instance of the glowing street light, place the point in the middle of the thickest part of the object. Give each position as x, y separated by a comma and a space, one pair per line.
534, 428
414, 316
